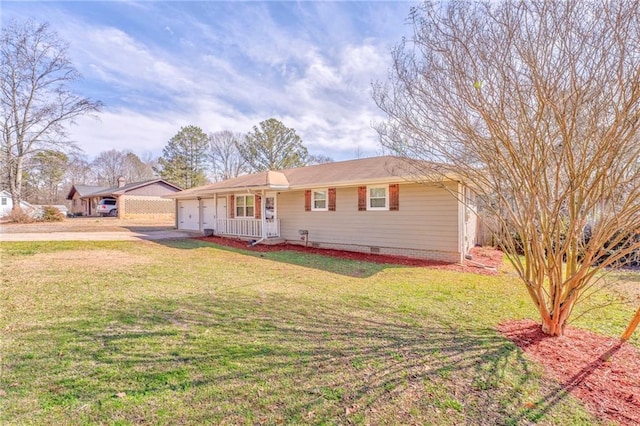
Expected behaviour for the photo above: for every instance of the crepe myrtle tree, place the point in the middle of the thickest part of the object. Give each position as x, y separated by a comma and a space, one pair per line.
536, 105
36, 101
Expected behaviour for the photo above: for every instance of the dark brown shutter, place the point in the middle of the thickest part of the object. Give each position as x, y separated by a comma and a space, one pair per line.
307, 200
362, 198
258, 207
332, 199
394, 197
232, 206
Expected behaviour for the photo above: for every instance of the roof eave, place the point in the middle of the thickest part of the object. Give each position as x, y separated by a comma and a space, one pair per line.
206, 192
376, 181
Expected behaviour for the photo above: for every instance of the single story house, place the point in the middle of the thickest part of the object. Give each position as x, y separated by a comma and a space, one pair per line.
6, 204
133, 199
371, 205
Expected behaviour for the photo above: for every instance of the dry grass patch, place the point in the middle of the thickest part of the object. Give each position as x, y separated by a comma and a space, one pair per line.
626, 283
77, 259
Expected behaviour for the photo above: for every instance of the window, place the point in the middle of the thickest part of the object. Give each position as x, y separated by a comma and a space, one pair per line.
377, 197
245, 206
319, 197
320, 200
4, 201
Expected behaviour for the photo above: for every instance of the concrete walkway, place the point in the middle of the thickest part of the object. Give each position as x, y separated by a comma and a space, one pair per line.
98, 236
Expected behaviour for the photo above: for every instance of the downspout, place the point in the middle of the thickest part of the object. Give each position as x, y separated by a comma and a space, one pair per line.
462, 229
263, 215
215, 213
175, 207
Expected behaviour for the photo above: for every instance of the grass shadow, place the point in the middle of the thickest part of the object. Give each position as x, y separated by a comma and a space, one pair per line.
247, 359
321, 262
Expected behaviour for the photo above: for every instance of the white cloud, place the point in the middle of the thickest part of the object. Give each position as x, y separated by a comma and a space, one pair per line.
364, 60
231, 69
123, 61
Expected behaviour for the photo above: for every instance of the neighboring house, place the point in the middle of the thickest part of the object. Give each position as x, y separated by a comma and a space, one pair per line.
133, 199
6, 204
368, 205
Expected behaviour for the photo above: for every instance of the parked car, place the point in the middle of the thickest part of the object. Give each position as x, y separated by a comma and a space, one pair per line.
107, 207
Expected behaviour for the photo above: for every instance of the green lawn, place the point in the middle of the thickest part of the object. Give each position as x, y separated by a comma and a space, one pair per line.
189, 333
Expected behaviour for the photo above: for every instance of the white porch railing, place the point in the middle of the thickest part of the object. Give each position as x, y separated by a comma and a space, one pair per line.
247, 227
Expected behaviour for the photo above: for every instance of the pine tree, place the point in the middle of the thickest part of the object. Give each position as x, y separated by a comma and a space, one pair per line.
273, 146
183, 159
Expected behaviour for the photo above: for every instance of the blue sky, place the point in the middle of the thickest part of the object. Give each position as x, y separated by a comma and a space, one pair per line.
158, 66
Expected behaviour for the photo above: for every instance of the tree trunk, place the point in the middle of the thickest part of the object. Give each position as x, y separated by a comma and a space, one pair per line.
15, 185
554, 323
552, 326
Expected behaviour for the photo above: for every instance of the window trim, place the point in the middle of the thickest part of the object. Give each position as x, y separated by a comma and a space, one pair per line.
244, 206
386, 197
326, 200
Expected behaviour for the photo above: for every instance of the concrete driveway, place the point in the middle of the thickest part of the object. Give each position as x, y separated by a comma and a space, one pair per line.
97, 236
94, 229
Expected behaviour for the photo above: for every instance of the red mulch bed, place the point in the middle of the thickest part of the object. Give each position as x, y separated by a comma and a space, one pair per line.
485, 260
602, 372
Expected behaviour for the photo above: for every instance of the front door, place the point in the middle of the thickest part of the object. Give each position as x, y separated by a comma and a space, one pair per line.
271, 214
208, 214
221, 216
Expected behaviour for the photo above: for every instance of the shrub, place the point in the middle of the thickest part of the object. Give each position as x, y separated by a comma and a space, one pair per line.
51, 214
20, 216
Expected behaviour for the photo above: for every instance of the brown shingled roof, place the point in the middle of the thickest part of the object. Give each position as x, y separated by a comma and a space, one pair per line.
341, 173
109, 191
364, 170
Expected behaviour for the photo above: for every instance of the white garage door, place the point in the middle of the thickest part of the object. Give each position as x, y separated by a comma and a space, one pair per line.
188, 217
208, 213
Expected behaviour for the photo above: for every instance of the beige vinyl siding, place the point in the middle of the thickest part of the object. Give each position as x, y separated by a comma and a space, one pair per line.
427, 220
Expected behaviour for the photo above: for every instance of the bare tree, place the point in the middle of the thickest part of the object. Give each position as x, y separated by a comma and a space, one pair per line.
35, 99
108, 166
151, 161
318, 159
535, 104
226, 161
78, 171
135, 169
357, 153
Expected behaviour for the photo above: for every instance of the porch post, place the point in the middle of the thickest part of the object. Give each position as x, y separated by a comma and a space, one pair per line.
263, 217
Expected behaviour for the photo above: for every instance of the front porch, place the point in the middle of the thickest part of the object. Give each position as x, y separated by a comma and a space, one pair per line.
248, 228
